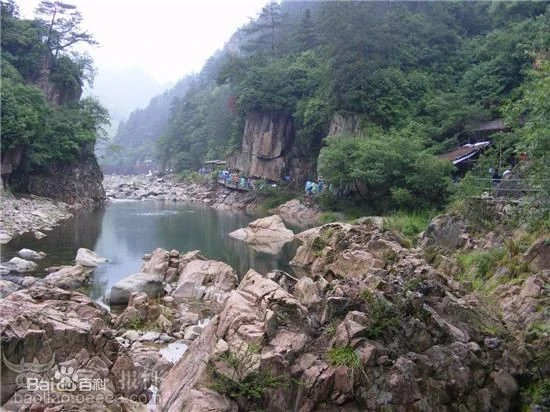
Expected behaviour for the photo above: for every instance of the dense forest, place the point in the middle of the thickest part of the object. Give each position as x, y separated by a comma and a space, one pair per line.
416, 73
43, 118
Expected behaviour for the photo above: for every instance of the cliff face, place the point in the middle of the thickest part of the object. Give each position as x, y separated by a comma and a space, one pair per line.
73, 182
348, 124
267, 138
268, 150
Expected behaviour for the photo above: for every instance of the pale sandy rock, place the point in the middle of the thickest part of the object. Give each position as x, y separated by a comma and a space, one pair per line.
267, 234
88, 258
39, 235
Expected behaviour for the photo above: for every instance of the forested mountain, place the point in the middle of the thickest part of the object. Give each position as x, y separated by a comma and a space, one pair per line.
46, 127
413, 75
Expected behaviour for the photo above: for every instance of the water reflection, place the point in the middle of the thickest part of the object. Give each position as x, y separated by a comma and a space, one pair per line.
126, 230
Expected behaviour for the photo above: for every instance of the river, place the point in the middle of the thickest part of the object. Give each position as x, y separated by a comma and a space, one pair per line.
124, 231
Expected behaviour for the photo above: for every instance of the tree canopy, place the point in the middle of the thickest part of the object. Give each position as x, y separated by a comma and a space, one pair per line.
46, 132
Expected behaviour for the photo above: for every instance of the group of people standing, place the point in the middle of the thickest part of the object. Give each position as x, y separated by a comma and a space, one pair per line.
312, 187
237, 181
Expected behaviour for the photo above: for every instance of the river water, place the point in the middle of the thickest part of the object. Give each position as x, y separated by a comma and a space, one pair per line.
125, 230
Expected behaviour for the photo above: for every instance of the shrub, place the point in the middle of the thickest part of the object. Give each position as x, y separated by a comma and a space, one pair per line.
381, 314
245, 383
344, 356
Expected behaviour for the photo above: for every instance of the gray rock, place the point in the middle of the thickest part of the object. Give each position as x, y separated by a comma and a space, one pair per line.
31, 254
86, 257
150, 337
39, 235
267, 234
21, 265
68, 277
148, 283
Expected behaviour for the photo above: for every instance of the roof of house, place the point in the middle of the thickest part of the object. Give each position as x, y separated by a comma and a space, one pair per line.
462, 153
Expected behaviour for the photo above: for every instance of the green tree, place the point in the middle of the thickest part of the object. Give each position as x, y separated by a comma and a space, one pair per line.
390, 169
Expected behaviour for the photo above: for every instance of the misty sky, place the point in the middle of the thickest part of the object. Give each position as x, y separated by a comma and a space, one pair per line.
165, 38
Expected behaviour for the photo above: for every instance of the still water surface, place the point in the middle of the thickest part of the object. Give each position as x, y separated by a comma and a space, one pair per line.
125, 230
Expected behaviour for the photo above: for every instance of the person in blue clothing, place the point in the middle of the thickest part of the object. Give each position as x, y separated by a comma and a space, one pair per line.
308, 187
320, 186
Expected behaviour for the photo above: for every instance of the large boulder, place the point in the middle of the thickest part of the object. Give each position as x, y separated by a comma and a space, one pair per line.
296, 213
538, 255
168, 264
68, 277
205, 279
151, 284
31, 254
21, 265
49, 335
86, 257
267, 234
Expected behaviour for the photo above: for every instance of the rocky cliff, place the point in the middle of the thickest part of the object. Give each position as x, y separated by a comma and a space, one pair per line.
267, 138
344, 123
76, 182
268, 150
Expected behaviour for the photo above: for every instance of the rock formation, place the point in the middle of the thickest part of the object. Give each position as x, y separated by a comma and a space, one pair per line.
267, 235
62, 339
267, 139
76, 182
371, 326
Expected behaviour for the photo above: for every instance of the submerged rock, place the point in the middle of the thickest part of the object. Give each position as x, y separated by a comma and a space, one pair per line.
31, 254
267, 235
21, 265
39, 235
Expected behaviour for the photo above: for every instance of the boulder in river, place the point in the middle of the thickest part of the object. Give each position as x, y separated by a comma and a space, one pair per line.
149, 283
31, 254
39, 235
267, 234
19, 265
86, 257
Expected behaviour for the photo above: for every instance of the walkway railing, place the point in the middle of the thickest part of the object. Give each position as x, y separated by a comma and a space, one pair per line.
507, 187
230, 184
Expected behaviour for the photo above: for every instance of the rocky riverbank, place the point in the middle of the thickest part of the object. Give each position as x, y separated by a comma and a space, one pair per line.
142, 187
366, 322
30, 213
